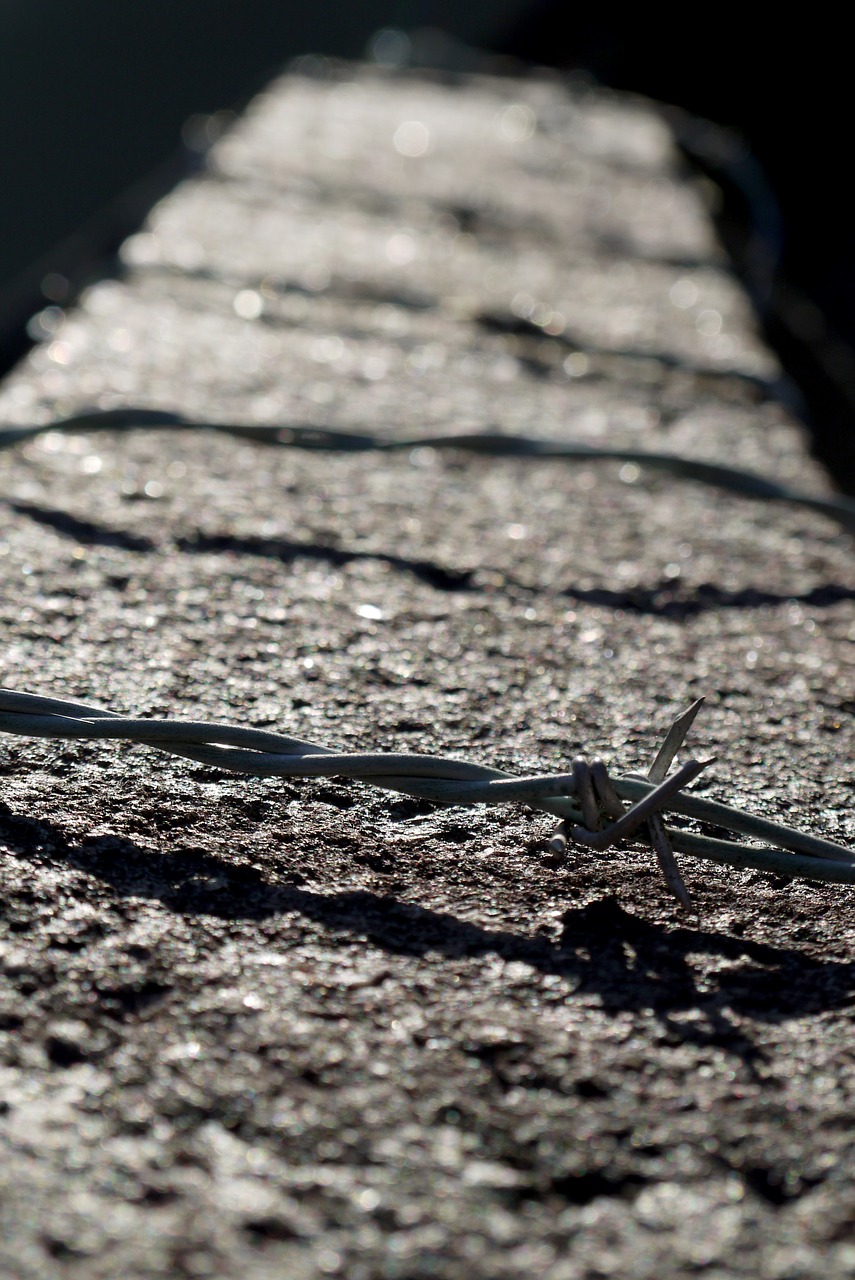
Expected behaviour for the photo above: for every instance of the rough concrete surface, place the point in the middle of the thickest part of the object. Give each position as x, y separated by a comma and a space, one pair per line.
265, 1029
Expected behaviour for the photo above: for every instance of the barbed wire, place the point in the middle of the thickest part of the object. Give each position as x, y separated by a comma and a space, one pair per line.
494, 444
581, 798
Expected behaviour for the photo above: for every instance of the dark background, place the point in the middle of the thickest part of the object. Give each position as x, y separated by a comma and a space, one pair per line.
93, 97
780, 86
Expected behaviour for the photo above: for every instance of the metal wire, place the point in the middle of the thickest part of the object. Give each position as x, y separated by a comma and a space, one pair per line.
493, 444
444, 780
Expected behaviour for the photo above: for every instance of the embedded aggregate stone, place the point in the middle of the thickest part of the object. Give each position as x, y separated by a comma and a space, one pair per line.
268, 1028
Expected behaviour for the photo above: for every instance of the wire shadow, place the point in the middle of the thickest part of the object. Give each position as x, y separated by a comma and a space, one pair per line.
287, 552
530, 335
85, 532
665, 599
629, 963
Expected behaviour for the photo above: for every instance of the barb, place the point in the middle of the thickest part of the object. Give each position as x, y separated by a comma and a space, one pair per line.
578, 797
658, 835
494, 444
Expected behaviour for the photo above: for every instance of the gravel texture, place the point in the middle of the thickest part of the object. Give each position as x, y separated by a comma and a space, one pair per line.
261, 1029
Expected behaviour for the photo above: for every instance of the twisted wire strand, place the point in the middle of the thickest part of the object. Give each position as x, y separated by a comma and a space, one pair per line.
493, 444
445, 780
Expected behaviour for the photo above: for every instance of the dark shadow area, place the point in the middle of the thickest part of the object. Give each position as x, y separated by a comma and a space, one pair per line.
607, 951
